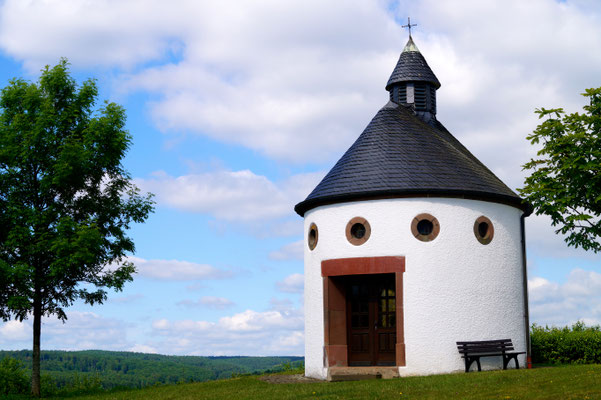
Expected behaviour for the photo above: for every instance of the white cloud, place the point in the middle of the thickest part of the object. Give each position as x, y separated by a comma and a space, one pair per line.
272, 332
99, 32
231, 195
85, 330
249, 72
177, 270
250, 320
294, 283
542, 241
292, 93
540, 289
289, 251
579, 298
253, 74
81, 331
14, 330
218, 303
142, 348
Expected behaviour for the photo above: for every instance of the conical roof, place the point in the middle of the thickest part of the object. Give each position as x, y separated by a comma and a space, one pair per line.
399, 155
412, 67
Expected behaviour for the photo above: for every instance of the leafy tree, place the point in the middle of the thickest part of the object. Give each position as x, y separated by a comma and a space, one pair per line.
13, 379
565, 180
66, 202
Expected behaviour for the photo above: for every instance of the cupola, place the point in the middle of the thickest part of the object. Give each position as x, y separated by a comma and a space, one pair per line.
412, 82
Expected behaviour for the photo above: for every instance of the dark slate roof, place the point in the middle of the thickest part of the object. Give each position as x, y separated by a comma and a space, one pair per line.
399, 155
411, 67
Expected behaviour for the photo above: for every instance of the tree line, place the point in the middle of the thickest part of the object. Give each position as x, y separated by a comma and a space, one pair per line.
136, 370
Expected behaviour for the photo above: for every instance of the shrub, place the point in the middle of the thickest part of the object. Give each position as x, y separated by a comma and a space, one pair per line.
576, 345
13, 378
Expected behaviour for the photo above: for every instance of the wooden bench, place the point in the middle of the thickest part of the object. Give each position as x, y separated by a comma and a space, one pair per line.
472, 351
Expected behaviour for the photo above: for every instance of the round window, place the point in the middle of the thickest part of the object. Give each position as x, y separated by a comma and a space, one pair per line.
312, 236
484, 230
425, 227
358, 231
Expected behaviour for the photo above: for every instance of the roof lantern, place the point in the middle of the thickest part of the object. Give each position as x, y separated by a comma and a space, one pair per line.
413, 82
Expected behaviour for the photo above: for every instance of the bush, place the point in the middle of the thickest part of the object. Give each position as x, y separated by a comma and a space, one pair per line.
576, 345
13, 378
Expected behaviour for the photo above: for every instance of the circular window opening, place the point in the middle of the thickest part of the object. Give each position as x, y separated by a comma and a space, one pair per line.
312, 237
425, 227
483, 229
358, 231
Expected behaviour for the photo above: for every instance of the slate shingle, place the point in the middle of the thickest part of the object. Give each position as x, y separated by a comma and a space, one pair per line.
399, 155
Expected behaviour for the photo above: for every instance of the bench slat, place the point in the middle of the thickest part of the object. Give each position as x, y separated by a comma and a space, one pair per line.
485, 341
488, 350
485, 344
480, 348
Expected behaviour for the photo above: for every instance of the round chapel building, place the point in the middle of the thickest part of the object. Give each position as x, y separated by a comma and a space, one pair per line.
411, 245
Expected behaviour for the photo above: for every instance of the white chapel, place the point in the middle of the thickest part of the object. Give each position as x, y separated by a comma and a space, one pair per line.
411, 244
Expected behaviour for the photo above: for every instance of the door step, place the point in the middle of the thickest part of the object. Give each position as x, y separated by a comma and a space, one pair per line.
340, 374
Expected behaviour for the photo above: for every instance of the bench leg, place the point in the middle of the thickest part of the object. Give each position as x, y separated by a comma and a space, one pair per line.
470, 360
507, 359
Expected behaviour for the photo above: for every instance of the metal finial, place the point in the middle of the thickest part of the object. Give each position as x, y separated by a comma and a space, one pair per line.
409, 25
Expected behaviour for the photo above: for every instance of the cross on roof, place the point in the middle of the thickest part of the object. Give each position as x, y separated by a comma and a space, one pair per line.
409, 25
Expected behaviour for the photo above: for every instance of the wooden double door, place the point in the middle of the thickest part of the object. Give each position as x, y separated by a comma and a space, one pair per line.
371, 319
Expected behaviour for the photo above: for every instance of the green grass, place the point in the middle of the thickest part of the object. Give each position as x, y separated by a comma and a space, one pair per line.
564, 382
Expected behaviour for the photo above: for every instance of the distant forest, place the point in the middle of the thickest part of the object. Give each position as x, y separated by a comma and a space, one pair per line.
136, 370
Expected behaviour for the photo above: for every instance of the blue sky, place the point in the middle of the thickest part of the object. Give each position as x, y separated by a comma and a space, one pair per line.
238, 109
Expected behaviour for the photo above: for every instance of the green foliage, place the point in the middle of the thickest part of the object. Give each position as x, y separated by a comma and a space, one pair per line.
565, 180
13, 378
288, 368
73, 371
48, 386
576, 345
66, 201
77, 384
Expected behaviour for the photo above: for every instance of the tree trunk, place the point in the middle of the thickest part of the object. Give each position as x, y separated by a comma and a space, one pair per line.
37, 330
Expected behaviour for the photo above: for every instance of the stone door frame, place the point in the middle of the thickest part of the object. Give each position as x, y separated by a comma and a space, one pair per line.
335, 335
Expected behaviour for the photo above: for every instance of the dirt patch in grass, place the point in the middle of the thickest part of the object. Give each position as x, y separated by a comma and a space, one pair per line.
297, 378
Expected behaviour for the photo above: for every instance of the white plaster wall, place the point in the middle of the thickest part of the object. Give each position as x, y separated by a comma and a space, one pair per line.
454, 287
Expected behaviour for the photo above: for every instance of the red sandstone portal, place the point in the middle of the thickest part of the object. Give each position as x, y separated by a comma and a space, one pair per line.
338, 276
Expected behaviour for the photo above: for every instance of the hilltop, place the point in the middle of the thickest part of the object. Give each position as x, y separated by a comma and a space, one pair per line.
137, 370
563, 382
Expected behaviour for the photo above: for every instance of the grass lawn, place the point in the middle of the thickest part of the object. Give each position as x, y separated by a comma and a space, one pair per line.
564, 382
